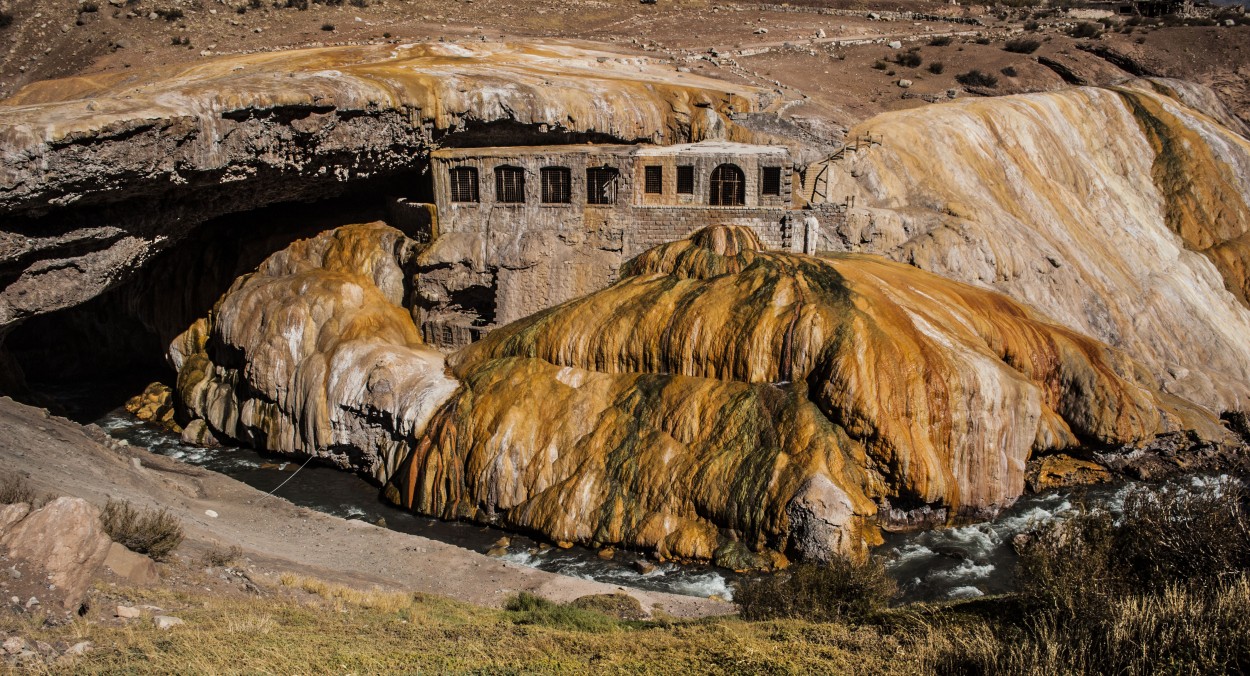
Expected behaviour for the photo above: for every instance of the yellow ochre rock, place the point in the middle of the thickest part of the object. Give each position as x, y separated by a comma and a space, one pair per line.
723, 402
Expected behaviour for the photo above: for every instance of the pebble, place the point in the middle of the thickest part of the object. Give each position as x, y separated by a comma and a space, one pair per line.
904, 83
208, 512
127, 612
80, 648
14, 645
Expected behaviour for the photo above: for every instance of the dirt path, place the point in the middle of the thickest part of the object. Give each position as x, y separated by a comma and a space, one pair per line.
64, 458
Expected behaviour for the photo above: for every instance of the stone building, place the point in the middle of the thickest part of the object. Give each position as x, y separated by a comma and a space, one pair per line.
544, 224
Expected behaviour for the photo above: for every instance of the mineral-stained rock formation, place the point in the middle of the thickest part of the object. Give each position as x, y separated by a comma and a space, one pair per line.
1121, 213
314, 353
721, 400
100, 172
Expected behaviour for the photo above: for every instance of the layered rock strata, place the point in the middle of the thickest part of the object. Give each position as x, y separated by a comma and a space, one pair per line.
1121, 213
717, 402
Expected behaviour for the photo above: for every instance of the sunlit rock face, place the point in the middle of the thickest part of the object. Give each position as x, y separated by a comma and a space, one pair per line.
1121, 213
315, 353
724, 402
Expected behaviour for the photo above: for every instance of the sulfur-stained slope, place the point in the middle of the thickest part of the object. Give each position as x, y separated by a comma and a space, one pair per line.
719, 397
314, 353
1122, 213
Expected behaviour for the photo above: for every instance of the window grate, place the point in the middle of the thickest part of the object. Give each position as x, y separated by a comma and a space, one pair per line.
464, 184
770, 181
685, 180
509, 184
654, 180
556, 185
729, 187
601, 185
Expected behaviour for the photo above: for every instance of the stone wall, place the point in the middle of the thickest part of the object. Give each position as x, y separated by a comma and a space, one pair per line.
495, 262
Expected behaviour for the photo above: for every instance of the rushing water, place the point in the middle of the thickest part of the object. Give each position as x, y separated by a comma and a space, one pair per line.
961, 562
349, 496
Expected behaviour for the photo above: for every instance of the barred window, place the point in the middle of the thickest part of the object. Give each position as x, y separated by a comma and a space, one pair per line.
509, 184
685, 180
654, 179
729, 186
770, 181
463, 184
601, 185
556, 185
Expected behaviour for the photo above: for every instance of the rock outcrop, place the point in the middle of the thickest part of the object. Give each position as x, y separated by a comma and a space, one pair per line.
61, 544
724, 402
1121, 213
101, 172
314, 353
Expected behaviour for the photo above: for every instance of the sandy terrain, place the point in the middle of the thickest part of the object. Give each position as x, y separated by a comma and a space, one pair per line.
64, 458
819, 54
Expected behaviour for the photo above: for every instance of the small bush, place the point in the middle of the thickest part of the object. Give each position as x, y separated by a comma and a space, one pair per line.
1031, 26
327, 27
1022, 45
535, 610
880, 65
1086, 30
6, 19
940, 41
976, 78
88, 8
360, 3
169, 13
147, 531
223, 557
1009, 71
983, 41
301, 5
936, 67
14, 489
909, 59
842, 590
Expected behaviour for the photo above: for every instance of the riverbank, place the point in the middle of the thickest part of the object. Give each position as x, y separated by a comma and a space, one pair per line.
61, 457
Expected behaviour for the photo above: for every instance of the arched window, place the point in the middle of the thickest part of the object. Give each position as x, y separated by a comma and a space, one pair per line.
509, 184
729, 186
463, 184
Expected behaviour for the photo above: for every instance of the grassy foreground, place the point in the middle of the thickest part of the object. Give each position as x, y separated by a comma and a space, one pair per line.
306, 626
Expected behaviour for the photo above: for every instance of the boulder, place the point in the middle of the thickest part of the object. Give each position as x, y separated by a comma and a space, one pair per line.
1061, 471
132, 566
66, 541
127, 612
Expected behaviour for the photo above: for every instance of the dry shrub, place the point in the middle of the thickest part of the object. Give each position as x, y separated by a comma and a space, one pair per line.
147, 531
977, 78
14, 489
838, 591
222, 557
1023, 45
940, 41
1162, 587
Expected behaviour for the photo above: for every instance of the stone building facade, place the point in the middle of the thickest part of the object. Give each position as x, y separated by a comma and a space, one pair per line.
521, 229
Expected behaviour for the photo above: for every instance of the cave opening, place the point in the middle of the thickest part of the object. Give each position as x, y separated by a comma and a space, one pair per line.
87, 360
